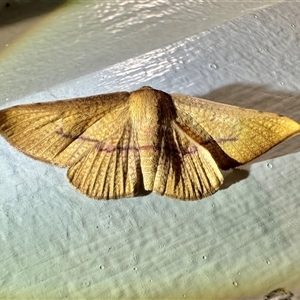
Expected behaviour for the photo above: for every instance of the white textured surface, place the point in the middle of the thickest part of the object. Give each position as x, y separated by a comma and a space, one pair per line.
92, 35
241, 242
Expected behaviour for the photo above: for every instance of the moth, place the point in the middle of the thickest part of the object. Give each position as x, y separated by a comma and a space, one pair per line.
115, 144
279, 294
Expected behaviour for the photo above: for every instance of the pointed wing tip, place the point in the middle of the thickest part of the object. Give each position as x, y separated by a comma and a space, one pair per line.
295, 126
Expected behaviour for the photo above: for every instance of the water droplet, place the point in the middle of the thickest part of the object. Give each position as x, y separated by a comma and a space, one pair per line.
235, 283
134, 269
268, 262
87, 283
204, 257
255, 16
213, 66
269, 165
281, 83
212, 205
293, 25
101, 267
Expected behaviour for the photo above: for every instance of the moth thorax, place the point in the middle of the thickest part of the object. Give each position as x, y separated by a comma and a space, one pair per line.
144, 107
146, 115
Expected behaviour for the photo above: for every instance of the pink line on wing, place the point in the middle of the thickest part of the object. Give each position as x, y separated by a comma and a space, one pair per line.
109, 149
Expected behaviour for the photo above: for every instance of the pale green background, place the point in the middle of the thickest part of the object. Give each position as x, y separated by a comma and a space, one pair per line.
240, 243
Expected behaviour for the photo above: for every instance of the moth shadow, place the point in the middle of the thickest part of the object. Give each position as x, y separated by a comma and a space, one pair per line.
232, 177
258, 97
141, 192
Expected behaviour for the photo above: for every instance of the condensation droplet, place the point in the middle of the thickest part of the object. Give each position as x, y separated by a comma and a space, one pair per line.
268, 262
213, 66
204, 257
281, 83
87, 283
235, 283
101, 267
134, 269
255, 16
293, 25
269, 165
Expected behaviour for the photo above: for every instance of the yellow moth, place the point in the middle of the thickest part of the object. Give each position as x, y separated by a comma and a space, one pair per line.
117, 144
